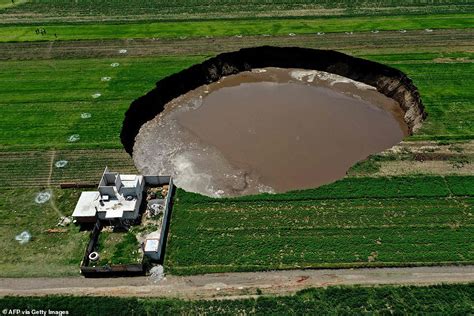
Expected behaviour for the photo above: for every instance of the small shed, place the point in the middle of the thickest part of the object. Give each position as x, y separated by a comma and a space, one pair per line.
151, 248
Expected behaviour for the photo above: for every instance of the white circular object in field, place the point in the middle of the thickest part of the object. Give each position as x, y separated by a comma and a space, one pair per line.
85, 115
42, 197
73, 138
320, 33
122, 51
292, 34
375, 31
105, 78
96, 95
114, 65
94, 256
23, 237
61, 163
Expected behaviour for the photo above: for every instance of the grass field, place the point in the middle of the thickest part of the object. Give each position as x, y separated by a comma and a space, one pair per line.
354, 222
221, 28
40, 97
122, 10
420, 215
49, 253
384, 300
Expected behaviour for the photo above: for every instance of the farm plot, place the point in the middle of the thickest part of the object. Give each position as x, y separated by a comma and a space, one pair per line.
52, 250
433, 227
437, 299
50, 97
244, 27
48, 102
389, 45
121, 10
38, 168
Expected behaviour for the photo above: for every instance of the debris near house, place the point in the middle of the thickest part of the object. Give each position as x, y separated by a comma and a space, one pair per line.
56, 230
157, 273
64, 221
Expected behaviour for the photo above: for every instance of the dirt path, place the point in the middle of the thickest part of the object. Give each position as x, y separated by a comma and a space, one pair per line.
235, 285
356, 43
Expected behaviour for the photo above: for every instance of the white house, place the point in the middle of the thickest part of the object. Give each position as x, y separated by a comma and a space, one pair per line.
117, 200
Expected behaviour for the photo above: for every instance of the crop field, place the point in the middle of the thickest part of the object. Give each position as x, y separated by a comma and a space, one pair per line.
352, 223
438, 299
221, 28
52, 250
41, 97
122, 10
63, 98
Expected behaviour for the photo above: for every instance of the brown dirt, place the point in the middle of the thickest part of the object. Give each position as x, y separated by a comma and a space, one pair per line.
357, 43
234, 285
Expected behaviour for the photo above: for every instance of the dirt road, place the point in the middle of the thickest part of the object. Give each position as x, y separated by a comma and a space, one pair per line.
235, 285
357, 43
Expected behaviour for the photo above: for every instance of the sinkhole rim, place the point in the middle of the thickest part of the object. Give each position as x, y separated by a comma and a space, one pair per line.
389, 81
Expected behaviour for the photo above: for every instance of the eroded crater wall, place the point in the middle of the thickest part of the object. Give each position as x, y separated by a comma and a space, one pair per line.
389, 81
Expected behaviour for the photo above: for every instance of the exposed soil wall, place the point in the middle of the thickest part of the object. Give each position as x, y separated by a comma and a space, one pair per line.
389, 81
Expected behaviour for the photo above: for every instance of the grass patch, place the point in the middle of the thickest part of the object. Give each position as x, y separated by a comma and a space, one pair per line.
47, 254
41, 97
365, 222
247, 27
437, 299
118, 248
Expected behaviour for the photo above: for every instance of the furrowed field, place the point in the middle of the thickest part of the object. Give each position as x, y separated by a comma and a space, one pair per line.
412, 206
122, 10
222, 28
440, 299
49, 96
360, 222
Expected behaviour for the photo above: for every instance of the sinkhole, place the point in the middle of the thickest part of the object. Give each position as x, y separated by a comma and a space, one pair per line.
269, 119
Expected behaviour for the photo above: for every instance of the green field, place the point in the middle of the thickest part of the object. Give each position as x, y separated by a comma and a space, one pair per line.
221, 28
50, 96
384, 300
122, 10
354, 222
368, 219
48, 253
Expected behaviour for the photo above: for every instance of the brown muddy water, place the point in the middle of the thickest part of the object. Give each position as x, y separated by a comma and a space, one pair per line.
268, 130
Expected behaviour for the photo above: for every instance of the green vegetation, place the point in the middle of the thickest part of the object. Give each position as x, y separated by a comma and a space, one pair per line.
439, 299
50, 95
353, 222
52, 251
122, 10
447, 100
118, 248
359, 221
172, 30
9, 3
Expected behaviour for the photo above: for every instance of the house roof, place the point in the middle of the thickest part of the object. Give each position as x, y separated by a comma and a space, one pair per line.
85, 205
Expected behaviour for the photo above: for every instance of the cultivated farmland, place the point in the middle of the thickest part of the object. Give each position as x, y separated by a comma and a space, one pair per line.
410, 206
